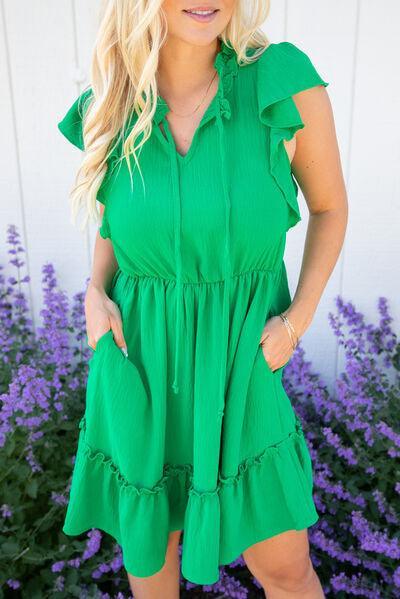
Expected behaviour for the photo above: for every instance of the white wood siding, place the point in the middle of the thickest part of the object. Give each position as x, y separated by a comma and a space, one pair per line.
45, 52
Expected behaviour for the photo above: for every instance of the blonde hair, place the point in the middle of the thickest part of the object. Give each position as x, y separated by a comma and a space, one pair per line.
123, 83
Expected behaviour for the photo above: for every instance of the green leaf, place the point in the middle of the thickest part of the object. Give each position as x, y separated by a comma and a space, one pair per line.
10, 447
67, 425
74, 590
10, 547
22, 471
32, 488
71, 577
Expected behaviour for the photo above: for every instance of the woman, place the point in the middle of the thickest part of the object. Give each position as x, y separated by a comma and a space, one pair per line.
187, 426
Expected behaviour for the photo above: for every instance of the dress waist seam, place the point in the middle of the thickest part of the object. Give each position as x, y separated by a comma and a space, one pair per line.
266, 271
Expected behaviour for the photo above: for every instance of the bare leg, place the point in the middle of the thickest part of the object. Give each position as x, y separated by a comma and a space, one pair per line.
164, 584
283, 567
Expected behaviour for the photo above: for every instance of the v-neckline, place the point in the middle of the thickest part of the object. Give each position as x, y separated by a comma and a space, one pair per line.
208, 113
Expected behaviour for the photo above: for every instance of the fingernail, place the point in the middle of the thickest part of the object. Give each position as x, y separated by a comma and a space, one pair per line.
124, 351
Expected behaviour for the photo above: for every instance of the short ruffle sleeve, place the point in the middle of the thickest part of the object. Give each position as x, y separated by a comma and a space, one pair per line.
71, 124
283, 70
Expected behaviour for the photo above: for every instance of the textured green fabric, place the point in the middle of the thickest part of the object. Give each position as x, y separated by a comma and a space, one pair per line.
193, 430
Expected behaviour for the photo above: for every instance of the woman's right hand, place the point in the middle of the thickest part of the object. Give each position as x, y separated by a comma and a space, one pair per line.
102, 314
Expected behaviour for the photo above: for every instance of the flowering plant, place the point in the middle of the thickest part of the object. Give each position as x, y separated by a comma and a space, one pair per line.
354, 440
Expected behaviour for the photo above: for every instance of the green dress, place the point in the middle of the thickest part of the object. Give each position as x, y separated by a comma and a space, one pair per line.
193, 430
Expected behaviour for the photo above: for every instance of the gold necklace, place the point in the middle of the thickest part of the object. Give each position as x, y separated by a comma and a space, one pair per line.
200, 103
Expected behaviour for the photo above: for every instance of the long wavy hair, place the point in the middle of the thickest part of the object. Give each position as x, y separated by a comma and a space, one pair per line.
123, 82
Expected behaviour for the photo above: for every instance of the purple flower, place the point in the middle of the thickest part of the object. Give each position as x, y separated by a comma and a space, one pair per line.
355, 585
59, 583
388, 432
373, 540
15, 322
74, 563
386, 510
344, 452
116, 563
58, 498
396, 577
6, 511
13, 583
58, 566
227, 586
93, 544
333, 548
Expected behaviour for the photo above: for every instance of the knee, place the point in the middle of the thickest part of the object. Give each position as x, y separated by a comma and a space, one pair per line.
293, 576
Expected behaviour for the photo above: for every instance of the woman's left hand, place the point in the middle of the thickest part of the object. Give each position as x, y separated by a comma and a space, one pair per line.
276, 343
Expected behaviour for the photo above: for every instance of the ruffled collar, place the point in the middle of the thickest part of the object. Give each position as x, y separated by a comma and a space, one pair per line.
226, 65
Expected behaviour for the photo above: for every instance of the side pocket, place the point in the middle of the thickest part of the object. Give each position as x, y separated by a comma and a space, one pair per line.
103, 340
277, 371
105, 337
96, 353
260, 356
119, 419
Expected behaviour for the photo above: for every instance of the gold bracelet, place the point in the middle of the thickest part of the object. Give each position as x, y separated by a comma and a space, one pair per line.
290, 329
296, 337
292, 339
290, 324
